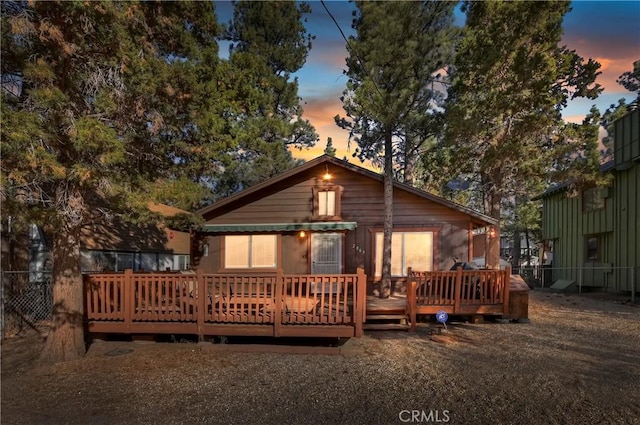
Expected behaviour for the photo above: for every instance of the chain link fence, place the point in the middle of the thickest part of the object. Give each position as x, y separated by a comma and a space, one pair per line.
27, 300
587, 278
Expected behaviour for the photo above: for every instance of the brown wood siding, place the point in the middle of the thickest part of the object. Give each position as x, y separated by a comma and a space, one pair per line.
295, 254
362, 202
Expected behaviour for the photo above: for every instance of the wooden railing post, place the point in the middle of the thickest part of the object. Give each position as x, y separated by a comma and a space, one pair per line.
201, 305
458, 290
129, 298
279, 300
86, 286
360, 302
412, 302
507, 287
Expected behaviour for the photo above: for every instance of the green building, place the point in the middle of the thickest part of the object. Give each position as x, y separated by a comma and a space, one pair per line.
594, 239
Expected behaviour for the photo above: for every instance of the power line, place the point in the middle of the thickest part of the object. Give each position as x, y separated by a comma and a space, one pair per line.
350, 48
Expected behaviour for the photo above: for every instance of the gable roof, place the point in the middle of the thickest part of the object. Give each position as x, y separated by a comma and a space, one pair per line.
559, 187
330, 160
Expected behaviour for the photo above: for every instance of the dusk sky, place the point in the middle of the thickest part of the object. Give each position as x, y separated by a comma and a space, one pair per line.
607, 31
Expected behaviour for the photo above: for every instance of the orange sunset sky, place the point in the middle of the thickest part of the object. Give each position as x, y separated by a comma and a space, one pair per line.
607, 31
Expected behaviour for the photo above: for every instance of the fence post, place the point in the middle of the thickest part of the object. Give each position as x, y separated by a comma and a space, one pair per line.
458, 289
129, 298
360, 302
279, 299
412, 303
2, 316
579, 280
507, 288
201, 304
633, 288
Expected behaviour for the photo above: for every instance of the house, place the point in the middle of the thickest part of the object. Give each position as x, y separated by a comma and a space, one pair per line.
327, 217
296, 256
120, 245
593, 240
111, 246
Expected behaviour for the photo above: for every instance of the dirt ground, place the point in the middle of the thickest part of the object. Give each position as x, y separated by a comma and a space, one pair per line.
576, 362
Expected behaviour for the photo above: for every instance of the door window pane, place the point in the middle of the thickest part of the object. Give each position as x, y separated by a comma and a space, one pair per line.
326, 254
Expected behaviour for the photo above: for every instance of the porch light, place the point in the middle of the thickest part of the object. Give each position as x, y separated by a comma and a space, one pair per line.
327, 175
302, 234
492, 232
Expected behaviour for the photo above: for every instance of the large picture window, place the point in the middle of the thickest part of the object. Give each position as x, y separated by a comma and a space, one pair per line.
408, 249
250, 251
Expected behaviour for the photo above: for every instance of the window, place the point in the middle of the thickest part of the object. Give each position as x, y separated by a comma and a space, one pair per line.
250, 251
183, 262
593, 248
408, 249
106, 261
326, 202
593, 199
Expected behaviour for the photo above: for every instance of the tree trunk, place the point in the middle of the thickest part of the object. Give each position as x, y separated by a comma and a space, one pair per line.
66, 338
528, 243
493, 238
517, 249
385, 287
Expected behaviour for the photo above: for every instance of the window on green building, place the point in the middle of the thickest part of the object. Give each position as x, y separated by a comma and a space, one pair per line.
593, 248
592, 199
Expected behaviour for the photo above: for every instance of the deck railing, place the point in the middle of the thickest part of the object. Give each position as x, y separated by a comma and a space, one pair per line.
208, 304
458, 292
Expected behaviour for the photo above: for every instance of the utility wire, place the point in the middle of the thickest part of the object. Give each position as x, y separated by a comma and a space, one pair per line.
351, 50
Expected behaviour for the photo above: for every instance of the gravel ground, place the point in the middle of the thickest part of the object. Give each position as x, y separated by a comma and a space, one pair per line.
576, 362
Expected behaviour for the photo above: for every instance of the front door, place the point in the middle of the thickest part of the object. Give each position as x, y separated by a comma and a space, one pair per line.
326, 253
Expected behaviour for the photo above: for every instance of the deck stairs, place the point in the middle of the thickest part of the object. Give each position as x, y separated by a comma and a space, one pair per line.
385, 315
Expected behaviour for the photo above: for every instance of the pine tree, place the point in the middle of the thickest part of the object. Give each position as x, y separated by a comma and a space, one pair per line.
511, 79
389, 100
329, 149
98, 112
270, 43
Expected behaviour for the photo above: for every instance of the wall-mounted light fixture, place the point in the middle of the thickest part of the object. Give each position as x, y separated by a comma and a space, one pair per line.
302, 234
327, 176
492, 232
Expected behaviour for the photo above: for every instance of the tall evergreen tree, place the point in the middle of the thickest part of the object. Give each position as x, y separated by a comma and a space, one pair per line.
630, 80
270, 43
102, 101
511, 80
390, 99
329, 149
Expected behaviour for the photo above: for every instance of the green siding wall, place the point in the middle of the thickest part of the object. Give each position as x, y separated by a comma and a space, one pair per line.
616, 225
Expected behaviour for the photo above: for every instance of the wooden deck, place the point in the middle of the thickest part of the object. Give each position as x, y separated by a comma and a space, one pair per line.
458, 292
278, 305
252, 305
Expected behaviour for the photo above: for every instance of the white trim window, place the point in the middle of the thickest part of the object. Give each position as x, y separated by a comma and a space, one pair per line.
327, 203
250, 251
408, 249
